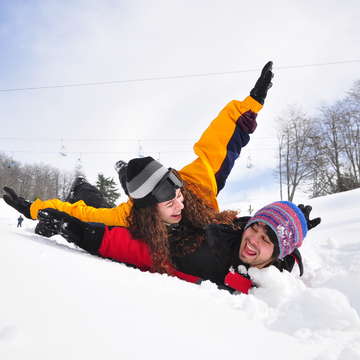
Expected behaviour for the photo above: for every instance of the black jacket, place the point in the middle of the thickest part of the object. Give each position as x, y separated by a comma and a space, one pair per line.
217, 253
220, 251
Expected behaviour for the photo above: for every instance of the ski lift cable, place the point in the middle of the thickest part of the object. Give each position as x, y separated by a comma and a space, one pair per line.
92, 139
173, 77
123, 152
118, 140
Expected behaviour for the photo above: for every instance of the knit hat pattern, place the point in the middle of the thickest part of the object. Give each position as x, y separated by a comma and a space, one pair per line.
142, 176
288, 223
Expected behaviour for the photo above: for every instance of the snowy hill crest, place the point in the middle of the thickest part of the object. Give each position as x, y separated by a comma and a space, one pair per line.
58, 302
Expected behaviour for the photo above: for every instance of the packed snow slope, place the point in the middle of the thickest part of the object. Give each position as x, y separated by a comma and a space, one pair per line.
58, 302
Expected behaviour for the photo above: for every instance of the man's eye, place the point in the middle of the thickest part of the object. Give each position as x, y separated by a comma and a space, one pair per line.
265, 239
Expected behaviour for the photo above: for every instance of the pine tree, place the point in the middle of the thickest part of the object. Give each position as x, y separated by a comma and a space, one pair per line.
108, 189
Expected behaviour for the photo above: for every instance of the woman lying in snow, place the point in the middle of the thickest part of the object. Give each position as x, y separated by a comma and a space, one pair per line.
151, 208
174, 213
201, 242
220, 254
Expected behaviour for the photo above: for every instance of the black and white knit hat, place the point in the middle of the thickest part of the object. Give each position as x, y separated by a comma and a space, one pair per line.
148, 182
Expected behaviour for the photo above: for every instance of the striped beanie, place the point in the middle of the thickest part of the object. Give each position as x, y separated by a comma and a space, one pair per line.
148, 182
286, 221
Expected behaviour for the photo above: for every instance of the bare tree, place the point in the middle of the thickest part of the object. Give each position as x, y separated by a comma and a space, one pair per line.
349, 120
33, 181
352, 121
339, 128
332, 144
295, 152
322, 153
65, 181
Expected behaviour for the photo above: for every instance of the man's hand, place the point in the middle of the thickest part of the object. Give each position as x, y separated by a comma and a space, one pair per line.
57, 222
306, 211
18, 203
288, 262
88, 236
263, 84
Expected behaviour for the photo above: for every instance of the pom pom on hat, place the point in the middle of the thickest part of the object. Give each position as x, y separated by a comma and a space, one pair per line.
287, 222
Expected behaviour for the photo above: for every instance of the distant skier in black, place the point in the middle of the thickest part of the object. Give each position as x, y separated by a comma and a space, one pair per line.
20, 220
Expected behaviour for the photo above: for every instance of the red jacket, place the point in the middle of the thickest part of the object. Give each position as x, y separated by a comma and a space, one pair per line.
118, 244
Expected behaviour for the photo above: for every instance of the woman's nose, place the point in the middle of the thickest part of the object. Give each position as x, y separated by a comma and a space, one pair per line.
179, 204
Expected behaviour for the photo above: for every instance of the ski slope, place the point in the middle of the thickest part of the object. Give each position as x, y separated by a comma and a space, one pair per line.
58, 302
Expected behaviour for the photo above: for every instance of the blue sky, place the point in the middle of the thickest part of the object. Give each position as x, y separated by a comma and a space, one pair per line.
50, 43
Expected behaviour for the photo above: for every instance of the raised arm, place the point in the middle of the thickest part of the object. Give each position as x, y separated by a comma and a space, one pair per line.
221, 143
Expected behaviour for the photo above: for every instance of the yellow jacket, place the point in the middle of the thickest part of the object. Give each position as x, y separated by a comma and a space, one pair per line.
217, 150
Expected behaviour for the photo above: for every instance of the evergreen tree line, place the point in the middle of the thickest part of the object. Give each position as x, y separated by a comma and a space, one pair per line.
47, 182
320, 154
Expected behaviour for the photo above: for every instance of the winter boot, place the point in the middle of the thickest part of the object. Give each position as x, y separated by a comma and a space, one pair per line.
80, 180
90, 194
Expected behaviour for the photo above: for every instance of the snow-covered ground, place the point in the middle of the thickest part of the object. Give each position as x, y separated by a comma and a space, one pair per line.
57, 302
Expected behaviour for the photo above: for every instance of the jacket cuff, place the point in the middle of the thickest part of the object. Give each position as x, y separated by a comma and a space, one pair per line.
253, 104
91, 238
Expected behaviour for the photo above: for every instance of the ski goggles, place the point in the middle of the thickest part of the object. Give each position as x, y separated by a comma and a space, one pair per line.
165, 190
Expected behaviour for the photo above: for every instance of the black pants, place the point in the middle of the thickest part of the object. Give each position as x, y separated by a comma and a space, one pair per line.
90, 194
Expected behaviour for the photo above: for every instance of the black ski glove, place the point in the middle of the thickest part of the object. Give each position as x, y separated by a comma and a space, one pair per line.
288, 262
88, 236
18, 203
43, 229
263, 84
306, 211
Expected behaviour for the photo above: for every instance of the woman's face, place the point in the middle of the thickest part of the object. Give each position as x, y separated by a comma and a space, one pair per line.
170, 211
256, 248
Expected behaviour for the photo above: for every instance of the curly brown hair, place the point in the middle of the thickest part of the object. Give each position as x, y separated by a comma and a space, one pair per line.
145, 224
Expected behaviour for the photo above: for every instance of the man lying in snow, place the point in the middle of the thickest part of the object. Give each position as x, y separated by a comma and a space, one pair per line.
270, 237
